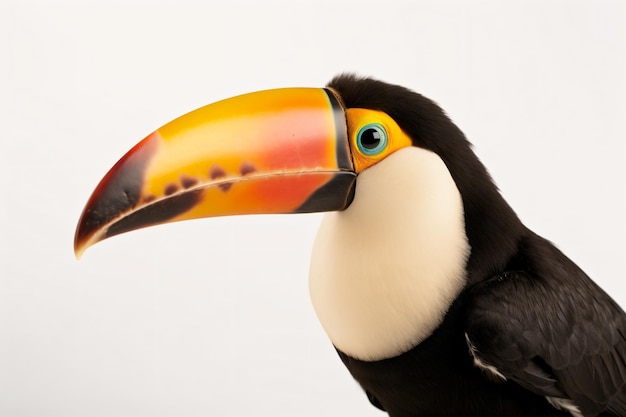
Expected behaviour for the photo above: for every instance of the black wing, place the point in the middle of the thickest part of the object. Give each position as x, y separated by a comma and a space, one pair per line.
549, 328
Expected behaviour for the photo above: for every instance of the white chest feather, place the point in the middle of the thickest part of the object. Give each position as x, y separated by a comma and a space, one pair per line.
385, 271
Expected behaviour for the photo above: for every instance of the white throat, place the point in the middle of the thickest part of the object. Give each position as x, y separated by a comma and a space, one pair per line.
385, 271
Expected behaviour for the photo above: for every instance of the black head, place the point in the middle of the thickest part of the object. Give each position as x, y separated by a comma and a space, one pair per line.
492, 227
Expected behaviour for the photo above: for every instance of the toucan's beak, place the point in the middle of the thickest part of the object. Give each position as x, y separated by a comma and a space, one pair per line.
276, 151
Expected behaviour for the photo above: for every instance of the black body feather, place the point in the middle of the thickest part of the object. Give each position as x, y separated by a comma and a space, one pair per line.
529, 311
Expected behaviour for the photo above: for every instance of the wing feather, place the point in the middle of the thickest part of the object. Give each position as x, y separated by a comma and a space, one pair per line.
549, 328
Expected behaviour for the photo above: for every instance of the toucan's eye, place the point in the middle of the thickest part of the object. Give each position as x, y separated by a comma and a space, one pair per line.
373, 136
372, 139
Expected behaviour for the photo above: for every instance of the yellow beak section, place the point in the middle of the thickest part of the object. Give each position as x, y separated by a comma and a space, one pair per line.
275, 151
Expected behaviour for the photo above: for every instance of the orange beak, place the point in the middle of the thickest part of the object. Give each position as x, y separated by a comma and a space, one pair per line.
275, 151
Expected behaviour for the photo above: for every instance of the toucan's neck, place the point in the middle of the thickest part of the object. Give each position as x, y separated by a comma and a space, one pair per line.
493, 229
385, 271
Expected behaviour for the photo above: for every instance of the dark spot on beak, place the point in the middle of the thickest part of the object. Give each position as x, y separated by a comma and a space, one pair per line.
188, 182
217, 172
247, 168
170, 189
149, 198
225, 186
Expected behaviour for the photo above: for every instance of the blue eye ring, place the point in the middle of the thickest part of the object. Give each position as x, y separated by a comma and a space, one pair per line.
371, 139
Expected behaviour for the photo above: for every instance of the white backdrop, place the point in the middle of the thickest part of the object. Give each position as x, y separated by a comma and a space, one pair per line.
212, 317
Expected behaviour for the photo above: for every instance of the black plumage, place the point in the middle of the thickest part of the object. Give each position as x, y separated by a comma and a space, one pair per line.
527, 309
552, 330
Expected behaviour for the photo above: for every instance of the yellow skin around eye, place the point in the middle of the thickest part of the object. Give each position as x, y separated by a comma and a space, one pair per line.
396, 138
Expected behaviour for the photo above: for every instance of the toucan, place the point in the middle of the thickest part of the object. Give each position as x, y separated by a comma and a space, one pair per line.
437, 298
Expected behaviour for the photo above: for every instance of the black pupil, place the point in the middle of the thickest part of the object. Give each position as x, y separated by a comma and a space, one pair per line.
370, 138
